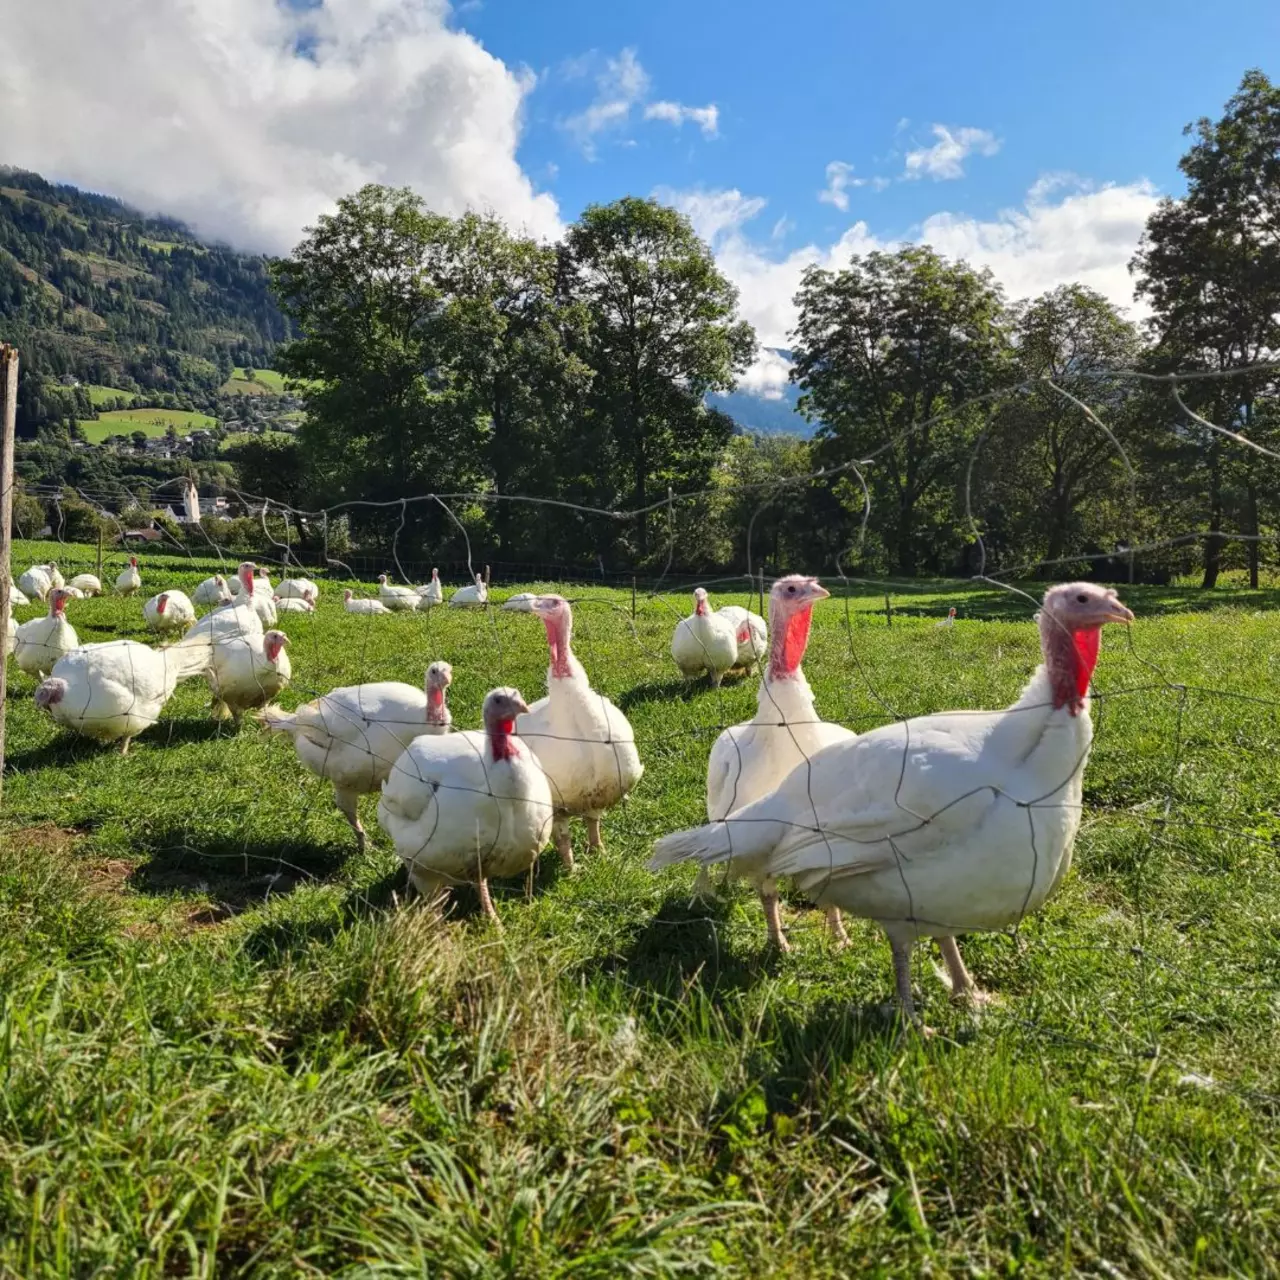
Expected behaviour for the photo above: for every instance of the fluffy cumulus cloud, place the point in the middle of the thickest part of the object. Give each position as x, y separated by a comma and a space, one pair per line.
951, 148
1066, 230
622, 86
248, 119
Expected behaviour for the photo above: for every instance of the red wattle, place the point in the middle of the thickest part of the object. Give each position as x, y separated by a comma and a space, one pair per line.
797, 638
1087, 643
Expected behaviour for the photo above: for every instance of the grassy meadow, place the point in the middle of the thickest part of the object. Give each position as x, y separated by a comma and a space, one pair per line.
230, 1046
151, 422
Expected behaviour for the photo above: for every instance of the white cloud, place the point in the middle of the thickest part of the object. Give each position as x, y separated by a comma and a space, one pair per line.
620, 87
214, 116
1067, 230
839, 179
1087, 235
706, 118
713, 213
945, 159
622, 84
768, 377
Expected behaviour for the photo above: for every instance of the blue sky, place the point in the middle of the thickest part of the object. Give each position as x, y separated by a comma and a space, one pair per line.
1031, 140
1099, 90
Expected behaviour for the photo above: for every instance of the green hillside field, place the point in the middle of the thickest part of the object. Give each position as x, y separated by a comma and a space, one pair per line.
152, 422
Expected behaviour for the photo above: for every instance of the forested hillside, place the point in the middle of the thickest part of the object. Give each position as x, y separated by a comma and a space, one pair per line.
97, 293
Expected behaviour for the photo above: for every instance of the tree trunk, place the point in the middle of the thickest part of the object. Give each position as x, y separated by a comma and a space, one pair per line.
1213, 543
1252, 531
906, 537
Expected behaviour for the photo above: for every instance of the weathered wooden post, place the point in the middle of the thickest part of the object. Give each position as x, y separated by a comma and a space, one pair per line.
8, 417
888, 611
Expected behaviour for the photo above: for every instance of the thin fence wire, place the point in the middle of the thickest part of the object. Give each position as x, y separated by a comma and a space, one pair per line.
829, 843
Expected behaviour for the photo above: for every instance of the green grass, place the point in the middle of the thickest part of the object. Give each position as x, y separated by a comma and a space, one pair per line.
152, 422
266, 382
230, 1045
99, 395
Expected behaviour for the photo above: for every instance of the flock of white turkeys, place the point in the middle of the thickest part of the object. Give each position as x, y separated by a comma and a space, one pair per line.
933, 827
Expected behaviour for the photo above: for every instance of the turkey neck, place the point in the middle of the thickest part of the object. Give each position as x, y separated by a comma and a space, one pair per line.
559, 632
500, 741
1069, 660
788, 640
435, 705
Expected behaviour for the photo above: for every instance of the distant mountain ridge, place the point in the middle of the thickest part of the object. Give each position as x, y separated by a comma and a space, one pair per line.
767, 417
93, 291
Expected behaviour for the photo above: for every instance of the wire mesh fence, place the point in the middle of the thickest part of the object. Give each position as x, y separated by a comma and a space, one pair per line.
935, 821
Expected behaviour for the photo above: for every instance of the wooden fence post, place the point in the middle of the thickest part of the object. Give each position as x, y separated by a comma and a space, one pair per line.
99, 569
633, 597
8, 417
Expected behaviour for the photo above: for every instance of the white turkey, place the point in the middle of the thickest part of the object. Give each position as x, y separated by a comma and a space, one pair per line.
261, 584
254, 592
585, 744
749, 760
704, 641
944, 824
212, 591
432, 593
130, 580
16, 598
465, 807
521, 602
42, 641
353, 603
86, 582
36, 582
294, 604
239, 618
397, 599
297, 589
751, 633
169, 611
353, 736
476, 594
247, 672
115, 690
949, 620
73, 593
55, 574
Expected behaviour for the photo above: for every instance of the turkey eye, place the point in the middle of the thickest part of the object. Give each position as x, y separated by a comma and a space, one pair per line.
1082, 599
791, 591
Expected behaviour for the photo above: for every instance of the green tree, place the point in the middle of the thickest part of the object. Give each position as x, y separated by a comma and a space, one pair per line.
663, 333
506, 339
365, 286
887, 351
1056, 478
139, 439
1209, 265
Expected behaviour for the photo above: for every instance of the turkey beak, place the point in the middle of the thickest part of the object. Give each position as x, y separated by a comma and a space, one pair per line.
818, 592
522, 707
1116, 612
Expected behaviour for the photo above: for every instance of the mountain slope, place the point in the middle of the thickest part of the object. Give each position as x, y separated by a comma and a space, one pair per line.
94, 291
766, 417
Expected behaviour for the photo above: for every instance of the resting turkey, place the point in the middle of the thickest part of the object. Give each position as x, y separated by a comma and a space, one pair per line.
943, 824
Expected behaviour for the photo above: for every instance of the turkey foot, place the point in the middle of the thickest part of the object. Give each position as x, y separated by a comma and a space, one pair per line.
773, 918
594, 840
963, 988
703, 890
564, 843
835, 925
486, 902
902, 978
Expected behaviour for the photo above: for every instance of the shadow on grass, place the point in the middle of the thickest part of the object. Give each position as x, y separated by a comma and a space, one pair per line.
673, 690
238, 873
